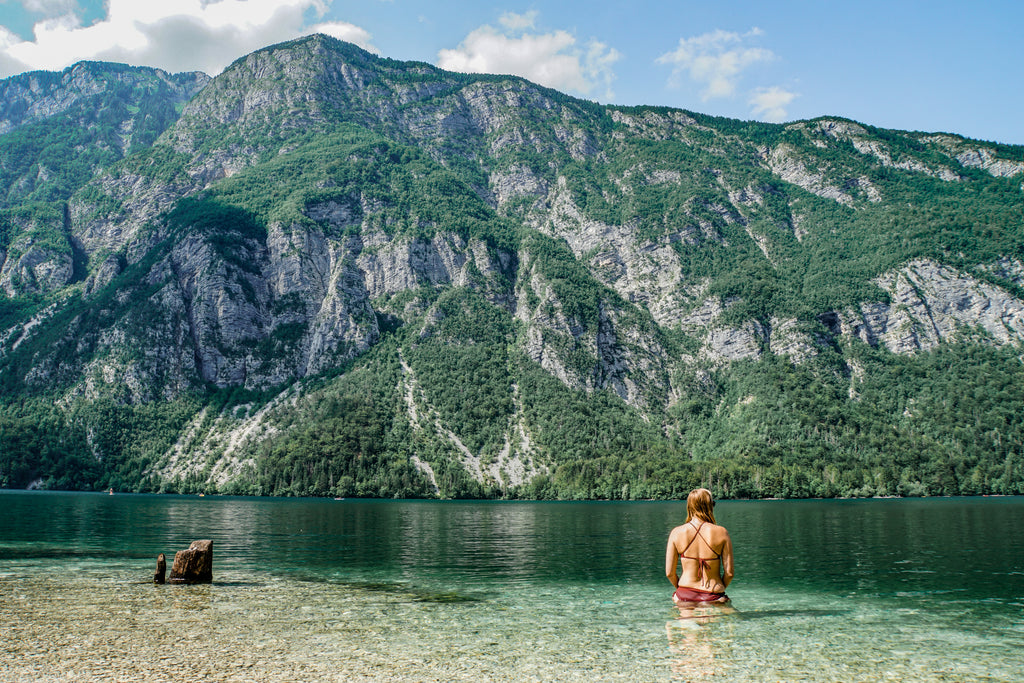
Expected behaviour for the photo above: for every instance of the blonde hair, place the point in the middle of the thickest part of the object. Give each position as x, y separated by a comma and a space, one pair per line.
700, 505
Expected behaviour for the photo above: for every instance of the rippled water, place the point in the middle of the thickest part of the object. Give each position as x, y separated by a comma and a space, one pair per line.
929, 590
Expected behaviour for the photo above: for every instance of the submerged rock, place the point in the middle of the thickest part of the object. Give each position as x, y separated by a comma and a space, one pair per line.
194, 565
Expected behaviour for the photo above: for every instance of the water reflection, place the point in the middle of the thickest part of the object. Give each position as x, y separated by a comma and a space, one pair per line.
899, 548
877, 547
700, 642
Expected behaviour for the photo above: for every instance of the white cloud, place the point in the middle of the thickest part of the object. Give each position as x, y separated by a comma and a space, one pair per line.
770, 104
715, 59
551, 59
9, 65
518, 22
176, 35
347, 32
50, 8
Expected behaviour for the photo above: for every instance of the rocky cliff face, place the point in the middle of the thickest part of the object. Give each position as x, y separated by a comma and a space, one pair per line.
931, 304
42, 95
39, 258
59, 131
313, 198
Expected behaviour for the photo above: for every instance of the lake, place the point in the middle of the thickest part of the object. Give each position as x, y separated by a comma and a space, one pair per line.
312, 590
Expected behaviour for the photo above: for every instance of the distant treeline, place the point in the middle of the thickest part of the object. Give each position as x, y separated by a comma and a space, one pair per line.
946, 422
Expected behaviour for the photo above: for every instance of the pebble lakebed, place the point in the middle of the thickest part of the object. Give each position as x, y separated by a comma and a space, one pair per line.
88, 624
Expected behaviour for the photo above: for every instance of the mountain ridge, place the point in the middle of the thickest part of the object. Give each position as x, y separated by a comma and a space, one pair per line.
318, 219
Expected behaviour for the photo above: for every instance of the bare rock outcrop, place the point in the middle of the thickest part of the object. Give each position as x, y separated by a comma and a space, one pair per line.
786, 163
972, 155
862, 141
725, 344
35, 270
619, 352
932, 303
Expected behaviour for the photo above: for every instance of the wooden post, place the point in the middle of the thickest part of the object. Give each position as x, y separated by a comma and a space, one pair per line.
161, 569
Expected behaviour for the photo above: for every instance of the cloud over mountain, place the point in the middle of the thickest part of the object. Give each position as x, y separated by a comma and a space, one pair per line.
770, 103
175, 35
716, 60
553, 59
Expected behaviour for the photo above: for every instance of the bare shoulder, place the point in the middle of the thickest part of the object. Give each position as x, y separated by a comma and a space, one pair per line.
719, 532
678, 533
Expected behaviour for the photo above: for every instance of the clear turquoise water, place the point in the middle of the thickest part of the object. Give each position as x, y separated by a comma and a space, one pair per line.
929, 590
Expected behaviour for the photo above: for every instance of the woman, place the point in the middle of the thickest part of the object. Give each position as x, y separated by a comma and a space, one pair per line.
706, 553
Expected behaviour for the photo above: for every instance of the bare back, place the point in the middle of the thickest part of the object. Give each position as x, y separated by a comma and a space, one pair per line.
705, 552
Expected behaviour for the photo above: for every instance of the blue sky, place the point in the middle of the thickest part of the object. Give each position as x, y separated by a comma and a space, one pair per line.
907, 64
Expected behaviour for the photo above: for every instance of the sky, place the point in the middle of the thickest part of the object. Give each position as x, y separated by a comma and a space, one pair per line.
935, 65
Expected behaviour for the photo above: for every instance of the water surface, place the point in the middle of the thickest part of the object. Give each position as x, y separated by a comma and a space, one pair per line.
929, 590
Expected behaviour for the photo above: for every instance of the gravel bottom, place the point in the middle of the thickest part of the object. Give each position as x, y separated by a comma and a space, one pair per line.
84, 624
84, 629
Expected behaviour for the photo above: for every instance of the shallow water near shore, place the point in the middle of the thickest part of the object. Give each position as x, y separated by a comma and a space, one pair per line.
311, 590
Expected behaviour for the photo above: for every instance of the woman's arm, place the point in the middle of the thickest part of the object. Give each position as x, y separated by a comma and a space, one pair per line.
672, 560
727, 568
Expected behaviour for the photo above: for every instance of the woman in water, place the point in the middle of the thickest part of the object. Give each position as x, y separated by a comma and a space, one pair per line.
706, 553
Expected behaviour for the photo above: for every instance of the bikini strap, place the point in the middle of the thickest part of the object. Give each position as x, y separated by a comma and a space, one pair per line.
683, 554
703, 564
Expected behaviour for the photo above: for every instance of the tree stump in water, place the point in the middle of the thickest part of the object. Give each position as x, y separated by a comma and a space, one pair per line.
194, 565
161, 569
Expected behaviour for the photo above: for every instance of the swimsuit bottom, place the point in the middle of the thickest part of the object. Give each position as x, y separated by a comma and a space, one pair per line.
690, 595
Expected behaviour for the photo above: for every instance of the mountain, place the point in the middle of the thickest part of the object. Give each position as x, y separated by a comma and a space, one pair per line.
58, 131
327, 273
